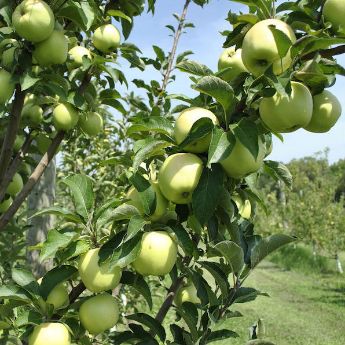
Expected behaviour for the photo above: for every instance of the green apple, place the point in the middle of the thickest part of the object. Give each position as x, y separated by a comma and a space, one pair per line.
53, 50
187, 294
15, 186
157, 255
91, 123
99, 313
260, 50
241, 162
285, 114
327, 110
32, 114
25, 168
244, 206
76, 55
161, 202
97, 278
231, 58
5, 205
58, 296
106, 38
65, 117
50, 333
18, 143
6, 86
43, 142
184, 124
33, 20
179, 176
334, 12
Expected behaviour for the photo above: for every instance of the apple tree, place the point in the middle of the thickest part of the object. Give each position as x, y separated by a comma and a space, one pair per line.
172, 212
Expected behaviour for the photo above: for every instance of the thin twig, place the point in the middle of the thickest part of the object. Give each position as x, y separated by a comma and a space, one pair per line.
14, 166
173, 51
30, 184
11, 133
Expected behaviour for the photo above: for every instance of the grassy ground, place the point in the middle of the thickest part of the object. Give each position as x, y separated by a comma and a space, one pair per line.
301, 310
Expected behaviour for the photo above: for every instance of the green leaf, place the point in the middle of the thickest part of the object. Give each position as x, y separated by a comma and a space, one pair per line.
82, 192
232, 253
26, 81
217, 88
121, 212
136, 224
149, 322
56, 241
14, 292
222, 144
221, 334
184, 240
282, 41
247, 133
27, 317
206, 195
200, 129
152, 124
139, 284
73, 250
193, 67
278, 171
54, 277
189, 313
268, 245
26, 280
120, 14
80, 14
159, 52
60, 212
244, 294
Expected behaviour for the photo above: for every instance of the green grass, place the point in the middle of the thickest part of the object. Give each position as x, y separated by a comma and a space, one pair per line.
301, 310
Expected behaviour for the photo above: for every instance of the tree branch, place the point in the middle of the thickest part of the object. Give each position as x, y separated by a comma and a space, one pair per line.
173, 50
76, 292
14, 166
10, 137
37, 173
326, 53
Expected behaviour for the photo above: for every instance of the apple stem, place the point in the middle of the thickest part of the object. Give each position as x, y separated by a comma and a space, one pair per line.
14, 166
12, 129
33, 179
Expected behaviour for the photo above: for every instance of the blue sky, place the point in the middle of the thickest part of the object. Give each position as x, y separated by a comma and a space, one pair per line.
206, 43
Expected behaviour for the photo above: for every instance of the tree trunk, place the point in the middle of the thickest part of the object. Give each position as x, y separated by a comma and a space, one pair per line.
339, 265
42, 196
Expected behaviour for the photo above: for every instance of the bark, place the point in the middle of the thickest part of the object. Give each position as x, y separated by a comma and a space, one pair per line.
42, 196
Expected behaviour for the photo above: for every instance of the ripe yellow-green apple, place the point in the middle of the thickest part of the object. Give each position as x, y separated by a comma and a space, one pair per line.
65, 117
15, 185
260, 50
157, 255
91, 123
32, 114
5, 205
106, 38
50, 333
99, 313
18, 143
241, 162
43, 142
97, 278
76, 55
187, 293
53, 50
179, 176
33, 20
326, 112
58, 296
285, 114
6, 86
184, 124
244, 206
334, 12
161, 202
231, 58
